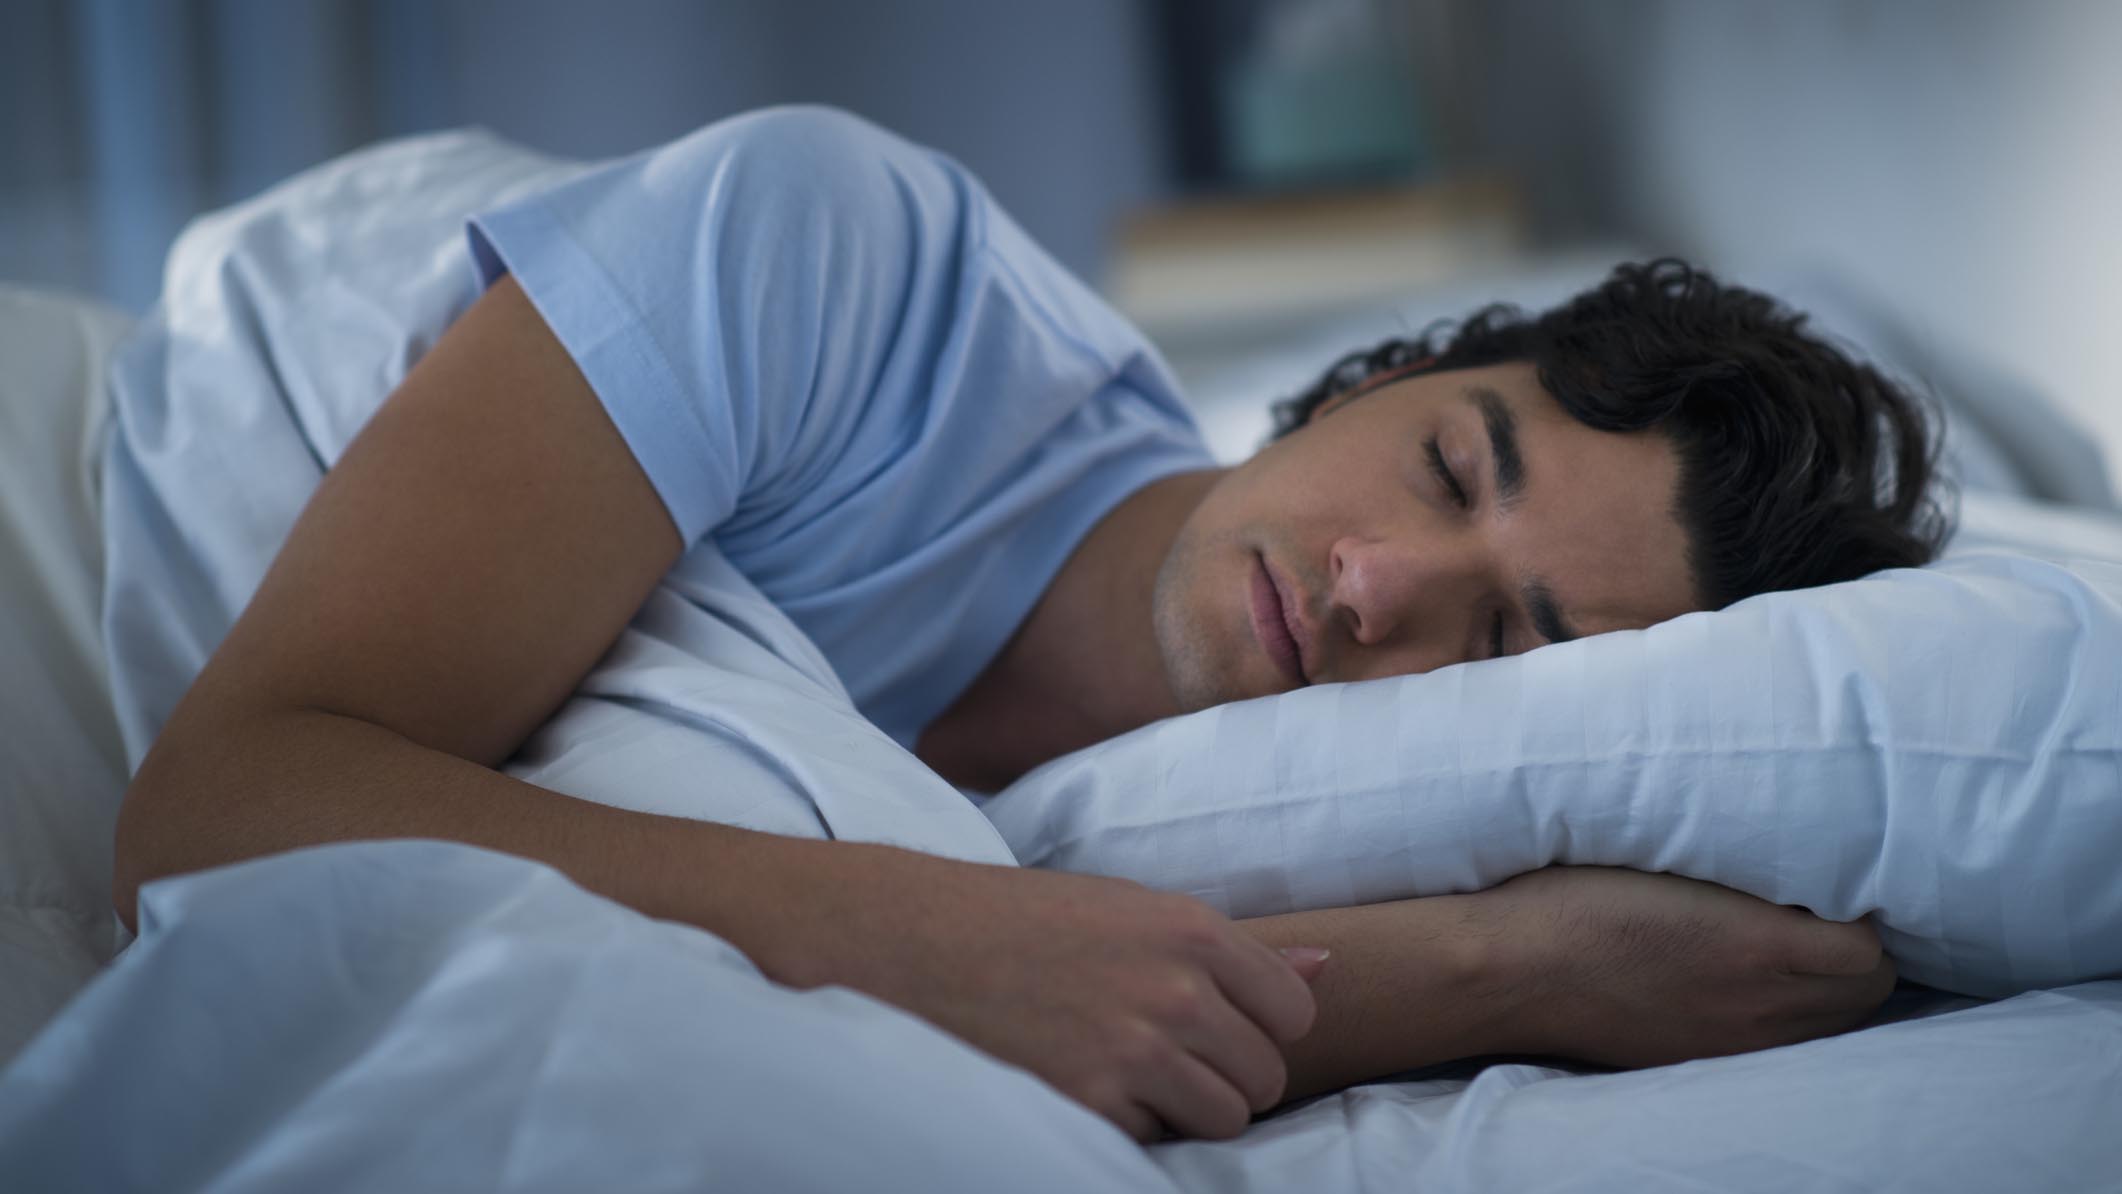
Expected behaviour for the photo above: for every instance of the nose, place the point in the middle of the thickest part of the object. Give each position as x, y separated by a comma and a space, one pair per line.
1389, 592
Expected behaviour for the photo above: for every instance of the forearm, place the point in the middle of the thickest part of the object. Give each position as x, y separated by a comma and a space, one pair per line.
1411, 983
266, 783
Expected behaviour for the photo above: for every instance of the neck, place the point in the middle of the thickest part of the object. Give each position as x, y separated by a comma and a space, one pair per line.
1084, 665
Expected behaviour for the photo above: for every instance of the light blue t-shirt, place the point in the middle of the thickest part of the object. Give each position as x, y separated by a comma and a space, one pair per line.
838, 361
833, 353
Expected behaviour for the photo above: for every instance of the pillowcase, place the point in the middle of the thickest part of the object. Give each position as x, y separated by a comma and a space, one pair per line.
1940, 748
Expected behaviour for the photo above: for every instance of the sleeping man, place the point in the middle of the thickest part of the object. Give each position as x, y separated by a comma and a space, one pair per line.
826, 352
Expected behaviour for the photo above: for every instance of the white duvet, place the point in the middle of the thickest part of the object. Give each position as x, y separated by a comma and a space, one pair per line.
419, 1016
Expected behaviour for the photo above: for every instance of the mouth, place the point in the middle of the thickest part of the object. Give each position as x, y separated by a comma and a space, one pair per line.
1274, 626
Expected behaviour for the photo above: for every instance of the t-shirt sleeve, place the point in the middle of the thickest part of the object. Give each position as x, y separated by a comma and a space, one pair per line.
730, 295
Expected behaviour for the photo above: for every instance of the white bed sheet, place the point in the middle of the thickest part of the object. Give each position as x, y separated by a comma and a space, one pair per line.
2019, 1095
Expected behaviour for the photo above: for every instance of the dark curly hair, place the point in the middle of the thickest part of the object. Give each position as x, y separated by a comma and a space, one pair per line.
1799, 465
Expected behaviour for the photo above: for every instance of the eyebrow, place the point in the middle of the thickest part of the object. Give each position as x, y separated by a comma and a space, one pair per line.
1502, 442
1510, 486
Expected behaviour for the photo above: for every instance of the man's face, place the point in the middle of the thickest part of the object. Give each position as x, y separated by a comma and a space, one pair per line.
1428, 521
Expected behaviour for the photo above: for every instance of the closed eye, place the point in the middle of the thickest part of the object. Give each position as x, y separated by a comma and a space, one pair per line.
1443, 472
1450, 482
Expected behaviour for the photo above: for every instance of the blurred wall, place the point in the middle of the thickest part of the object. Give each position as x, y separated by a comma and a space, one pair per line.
120, 119
1963, 160
1050, 102
1959, 158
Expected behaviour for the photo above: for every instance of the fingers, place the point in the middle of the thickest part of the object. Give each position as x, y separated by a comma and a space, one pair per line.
1838, 1003
1235, 1049
1227, 1064
1136, 1120
1158, 1086
1307, 960
1872, 989
1844, 1015
1194, 1099
1260, 983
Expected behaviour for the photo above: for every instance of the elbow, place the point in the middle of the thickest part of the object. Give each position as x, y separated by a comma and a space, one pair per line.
198, 800
157, 833
132, 860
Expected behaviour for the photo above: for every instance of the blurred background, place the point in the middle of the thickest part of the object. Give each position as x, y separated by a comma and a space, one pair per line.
1223, 169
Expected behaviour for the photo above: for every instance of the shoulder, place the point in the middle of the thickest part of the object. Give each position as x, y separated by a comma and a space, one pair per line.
809, 162
802, 138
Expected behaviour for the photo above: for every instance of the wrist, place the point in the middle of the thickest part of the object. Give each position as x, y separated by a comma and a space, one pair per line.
814, 913
1510, 970
775, 898
1411, 983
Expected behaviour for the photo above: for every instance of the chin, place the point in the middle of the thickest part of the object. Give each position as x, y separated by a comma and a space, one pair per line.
1191, 651
1204, 644
1203, 662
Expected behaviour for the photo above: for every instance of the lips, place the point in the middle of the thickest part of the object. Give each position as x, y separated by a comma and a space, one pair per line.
1273, 625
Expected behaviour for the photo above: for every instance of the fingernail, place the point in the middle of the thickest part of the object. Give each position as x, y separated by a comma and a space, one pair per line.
1302, 954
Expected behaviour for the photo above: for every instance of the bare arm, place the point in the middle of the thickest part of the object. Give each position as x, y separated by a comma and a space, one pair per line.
480, 544
474, 552
1598, 964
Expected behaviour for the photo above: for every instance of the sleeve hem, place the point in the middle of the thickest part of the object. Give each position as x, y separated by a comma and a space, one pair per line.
597, 326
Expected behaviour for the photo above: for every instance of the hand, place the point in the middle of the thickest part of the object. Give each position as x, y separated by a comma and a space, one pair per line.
1631, 969
1152, 1010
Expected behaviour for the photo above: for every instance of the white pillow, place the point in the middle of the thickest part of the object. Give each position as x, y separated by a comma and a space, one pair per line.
1940, 747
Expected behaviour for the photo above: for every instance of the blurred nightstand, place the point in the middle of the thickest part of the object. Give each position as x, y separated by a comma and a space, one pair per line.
1208, 274
1248, 299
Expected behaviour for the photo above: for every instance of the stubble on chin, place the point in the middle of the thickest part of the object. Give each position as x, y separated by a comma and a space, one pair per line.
1196, 661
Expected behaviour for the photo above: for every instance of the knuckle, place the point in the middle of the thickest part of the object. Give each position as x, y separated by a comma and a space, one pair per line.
1136, 1045
1193, 921
1182, 1001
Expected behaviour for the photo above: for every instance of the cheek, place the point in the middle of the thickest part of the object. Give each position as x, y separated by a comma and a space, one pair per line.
1347, 476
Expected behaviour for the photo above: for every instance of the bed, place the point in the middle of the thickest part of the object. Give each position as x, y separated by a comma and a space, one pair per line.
421, 1015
